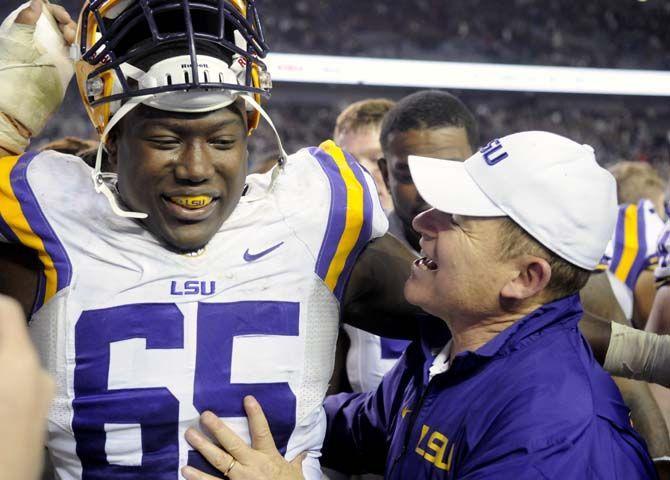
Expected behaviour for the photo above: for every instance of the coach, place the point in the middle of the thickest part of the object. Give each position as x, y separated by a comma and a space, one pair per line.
516, 393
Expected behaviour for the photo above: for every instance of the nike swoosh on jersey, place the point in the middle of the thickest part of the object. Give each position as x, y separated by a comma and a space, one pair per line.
252, 257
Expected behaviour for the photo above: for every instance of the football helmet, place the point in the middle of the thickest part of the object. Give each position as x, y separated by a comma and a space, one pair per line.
188, 56
209, 51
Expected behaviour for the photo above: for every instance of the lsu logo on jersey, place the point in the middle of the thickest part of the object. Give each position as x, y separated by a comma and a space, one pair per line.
192, 287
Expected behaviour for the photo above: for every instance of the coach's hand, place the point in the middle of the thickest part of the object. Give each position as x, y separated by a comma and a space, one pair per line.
237, 460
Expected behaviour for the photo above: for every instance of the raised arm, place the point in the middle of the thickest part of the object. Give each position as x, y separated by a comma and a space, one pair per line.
34, 74
34, 71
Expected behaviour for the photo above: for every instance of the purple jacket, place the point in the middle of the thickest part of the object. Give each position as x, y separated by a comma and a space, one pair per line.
530, 404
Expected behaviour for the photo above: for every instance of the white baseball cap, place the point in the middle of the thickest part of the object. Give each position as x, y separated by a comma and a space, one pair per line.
551, 186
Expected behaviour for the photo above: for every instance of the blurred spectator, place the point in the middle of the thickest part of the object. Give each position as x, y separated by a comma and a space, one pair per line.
357, 131
636, 181
598, 33
632, 253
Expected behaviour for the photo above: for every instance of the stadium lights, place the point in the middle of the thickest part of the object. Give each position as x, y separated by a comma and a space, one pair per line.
324, 69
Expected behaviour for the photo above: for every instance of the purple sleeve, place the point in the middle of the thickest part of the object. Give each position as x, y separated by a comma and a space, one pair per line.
357, 433
360, 425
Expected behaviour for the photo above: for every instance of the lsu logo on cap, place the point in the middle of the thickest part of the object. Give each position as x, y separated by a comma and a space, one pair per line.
493, 152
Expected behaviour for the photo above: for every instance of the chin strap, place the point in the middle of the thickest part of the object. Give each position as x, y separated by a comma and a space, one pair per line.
99, 178
264, 114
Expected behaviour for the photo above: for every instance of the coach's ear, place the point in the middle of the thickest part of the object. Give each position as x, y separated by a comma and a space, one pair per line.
530, 276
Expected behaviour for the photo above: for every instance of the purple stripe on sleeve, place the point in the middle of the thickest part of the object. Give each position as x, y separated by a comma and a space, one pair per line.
640, 257
366, 229
619, 238
338, 211
37, 220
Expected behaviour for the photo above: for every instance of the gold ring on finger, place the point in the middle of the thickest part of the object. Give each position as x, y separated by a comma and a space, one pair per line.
230, 467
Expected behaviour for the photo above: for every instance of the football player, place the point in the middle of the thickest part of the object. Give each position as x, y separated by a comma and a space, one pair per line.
632, 254
182, 285
357, 130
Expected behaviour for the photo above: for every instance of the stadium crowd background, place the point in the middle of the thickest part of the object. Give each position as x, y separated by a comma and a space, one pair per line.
598, 33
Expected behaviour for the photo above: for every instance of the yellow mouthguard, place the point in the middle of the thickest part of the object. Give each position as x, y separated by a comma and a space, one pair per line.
192, 203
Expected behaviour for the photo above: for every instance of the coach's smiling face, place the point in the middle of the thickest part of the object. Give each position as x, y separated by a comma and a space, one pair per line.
186, 171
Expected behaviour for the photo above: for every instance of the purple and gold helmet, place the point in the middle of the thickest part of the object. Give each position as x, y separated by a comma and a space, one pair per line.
174, 55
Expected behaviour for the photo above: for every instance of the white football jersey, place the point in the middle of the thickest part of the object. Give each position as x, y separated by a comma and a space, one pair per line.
632, 250
141, 340
369, 358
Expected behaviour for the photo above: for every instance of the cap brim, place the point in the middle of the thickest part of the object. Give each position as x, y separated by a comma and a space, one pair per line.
447, 186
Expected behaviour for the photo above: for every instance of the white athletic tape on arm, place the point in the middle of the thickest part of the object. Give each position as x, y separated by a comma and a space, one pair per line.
638, 355
34, 70
11, 139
